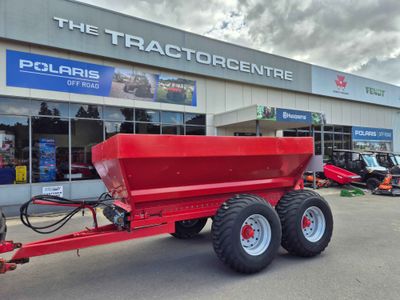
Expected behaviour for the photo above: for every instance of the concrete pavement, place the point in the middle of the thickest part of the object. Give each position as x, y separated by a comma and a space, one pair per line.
362, 262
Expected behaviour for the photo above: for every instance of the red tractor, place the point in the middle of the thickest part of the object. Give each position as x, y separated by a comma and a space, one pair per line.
177, 92
251, 188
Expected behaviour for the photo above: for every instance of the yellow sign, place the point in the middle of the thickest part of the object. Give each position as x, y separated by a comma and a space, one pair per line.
20, 174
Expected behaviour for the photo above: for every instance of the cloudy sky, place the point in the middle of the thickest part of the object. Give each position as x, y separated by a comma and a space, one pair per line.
356, 36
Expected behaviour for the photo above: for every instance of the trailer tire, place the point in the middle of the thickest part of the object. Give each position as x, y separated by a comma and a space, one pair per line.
246, 233
372, 183
189, 228
3, 226
307, 223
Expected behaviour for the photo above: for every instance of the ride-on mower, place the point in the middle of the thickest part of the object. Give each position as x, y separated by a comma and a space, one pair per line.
251, 188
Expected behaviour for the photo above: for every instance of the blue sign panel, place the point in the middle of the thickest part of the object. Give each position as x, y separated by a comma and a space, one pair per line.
290, 115
63, 75
371, 134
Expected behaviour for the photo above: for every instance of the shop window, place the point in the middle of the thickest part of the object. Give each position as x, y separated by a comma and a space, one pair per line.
48, 108
338, 144
172, 129
169, 117
303, 133
14, 149
84, 135
347, 141
347, 129
50, 154
195, 119
118, 113
87, 111
288, 133
147, 128
338, 129
146, 115
195, 130
112, 128
317, 140
13, 106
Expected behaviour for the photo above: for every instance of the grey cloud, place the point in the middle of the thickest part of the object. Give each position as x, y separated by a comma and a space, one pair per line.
362, 37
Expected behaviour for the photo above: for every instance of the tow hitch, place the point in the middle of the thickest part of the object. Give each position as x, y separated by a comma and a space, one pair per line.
8, 246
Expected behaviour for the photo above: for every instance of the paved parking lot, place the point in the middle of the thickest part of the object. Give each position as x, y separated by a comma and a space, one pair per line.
362, 262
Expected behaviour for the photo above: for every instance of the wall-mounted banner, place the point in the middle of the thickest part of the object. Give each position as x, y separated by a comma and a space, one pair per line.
130, 84
266, 113
57, 74
341, 85
289, 115
176, 90
371, 134
43, 72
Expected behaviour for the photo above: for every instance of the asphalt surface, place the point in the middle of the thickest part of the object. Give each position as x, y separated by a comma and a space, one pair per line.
361, 262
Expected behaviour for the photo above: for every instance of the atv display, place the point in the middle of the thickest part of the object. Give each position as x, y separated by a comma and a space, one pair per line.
139, 85
176, 91
364, 164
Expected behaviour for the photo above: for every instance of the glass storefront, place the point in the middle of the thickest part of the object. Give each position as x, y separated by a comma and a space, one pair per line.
54, 139
330, 136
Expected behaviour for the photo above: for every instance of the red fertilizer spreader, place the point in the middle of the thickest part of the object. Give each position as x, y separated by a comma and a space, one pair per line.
251, 188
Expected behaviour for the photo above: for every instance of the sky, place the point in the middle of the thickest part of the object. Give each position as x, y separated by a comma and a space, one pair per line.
356, 36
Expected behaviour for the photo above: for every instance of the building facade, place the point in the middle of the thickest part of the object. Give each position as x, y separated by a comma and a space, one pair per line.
72, 75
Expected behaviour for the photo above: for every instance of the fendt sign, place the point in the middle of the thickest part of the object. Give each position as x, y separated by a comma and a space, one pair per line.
176, 52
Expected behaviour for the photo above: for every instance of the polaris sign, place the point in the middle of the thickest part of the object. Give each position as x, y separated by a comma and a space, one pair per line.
371, 134
290, 115
63, 75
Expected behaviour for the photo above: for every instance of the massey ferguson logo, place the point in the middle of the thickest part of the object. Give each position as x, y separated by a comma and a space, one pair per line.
340, 83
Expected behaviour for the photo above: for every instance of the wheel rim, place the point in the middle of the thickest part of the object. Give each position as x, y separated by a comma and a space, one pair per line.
255, 235
313, 224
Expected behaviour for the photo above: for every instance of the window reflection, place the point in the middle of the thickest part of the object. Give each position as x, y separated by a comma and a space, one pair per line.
48, 108
112, 128
84, 135
172, 129
52, 146
50, 155
147, 115
118, 113
14, 149
147, 128
87, 111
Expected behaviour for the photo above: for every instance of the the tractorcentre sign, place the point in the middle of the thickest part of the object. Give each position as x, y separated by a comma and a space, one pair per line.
175, 52
91, 30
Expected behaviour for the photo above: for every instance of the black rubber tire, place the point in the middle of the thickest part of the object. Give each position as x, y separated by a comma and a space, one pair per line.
3, 226
291, 208
226, 230
189, 229
372, 183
